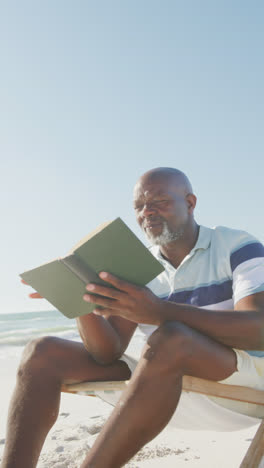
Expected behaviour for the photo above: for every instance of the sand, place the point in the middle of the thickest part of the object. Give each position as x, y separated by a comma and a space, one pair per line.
81, 418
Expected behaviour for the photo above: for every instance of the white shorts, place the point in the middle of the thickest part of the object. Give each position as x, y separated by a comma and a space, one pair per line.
196, 411
250, 373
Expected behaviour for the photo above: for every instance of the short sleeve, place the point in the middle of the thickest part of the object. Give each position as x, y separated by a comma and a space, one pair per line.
247, 265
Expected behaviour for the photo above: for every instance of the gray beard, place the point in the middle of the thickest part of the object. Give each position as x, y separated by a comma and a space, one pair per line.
166, 236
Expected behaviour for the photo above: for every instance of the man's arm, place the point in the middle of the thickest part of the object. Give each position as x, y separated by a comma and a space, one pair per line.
240, 328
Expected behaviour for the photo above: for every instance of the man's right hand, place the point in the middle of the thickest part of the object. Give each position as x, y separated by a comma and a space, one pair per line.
35, 295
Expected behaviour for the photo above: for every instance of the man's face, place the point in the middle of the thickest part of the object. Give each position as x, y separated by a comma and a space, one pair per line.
161, 209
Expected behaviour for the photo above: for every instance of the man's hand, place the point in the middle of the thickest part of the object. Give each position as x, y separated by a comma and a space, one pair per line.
32, 295
131, 302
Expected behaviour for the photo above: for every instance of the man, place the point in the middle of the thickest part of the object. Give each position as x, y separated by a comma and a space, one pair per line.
204, 269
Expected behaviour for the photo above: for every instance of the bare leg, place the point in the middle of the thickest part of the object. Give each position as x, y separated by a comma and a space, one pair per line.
46, 364
152, 396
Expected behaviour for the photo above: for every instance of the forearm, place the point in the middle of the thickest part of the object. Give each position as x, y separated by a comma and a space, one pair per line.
99, 338
238, 329
241, 328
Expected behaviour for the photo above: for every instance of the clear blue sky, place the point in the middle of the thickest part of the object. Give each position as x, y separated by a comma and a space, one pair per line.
93, 93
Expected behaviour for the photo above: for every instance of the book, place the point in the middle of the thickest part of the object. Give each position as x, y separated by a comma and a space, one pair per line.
113, 248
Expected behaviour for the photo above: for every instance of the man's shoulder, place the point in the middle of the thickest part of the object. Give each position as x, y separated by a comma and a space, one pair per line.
233, 239
237, 246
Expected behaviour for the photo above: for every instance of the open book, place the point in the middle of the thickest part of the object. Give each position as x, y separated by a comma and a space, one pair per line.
113, 248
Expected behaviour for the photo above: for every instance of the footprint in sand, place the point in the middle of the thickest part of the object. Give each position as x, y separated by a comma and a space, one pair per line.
96, 427
68, 439
59, 449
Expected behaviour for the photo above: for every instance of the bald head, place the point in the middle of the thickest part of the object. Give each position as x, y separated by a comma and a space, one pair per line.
172, 176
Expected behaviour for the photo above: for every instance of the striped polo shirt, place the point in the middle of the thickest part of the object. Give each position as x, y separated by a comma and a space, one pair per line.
224, 266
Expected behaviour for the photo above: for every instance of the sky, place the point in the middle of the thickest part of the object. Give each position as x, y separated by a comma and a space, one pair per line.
95, 93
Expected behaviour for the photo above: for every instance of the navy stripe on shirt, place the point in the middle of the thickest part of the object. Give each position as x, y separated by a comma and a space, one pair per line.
247, 252
204, 295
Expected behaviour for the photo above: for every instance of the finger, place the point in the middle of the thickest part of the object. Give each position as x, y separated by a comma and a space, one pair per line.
106, 313
122, 285
99, 300
104, 291
24, 282
35, 296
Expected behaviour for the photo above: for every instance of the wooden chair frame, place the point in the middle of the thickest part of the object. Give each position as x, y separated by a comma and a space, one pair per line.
255, 451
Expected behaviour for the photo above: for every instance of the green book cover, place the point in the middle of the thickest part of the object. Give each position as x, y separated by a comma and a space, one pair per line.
112, 247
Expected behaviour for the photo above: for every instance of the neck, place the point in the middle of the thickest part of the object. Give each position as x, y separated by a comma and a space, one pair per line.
177, 250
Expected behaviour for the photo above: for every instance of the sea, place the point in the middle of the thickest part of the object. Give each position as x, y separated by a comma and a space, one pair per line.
17, 329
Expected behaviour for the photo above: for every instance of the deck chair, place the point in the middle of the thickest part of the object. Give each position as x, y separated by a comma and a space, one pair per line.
255, 452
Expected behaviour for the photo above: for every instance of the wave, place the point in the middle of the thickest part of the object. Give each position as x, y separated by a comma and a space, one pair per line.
29, 331
17, 329
22, 340
13, 316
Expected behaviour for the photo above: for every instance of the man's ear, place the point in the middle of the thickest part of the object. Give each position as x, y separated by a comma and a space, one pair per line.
191, 201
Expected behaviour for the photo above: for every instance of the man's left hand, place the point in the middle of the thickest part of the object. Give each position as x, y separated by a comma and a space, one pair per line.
134, 303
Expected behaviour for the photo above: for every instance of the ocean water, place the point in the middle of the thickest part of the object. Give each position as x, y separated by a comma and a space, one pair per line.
17, 329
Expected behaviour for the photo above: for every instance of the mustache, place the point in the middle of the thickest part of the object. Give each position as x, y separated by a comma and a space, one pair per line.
152, 221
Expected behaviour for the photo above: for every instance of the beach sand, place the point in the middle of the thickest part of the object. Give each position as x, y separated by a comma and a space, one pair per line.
81, 418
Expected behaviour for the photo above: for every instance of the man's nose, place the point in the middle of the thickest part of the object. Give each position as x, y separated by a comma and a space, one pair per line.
148, 209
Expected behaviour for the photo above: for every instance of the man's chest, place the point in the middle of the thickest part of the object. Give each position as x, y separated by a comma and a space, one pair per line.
203, 279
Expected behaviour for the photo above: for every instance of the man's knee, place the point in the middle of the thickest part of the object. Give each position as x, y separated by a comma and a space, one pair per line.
170, 345
39, 356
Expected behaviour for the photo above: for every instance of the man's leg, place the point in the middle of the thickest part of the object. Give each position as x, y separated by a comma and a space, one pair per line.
45, 365
151, 398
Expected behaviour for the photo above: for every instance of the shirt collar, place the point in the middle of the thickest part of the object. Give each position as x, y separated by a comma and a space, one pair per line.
204, 239
203, 242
